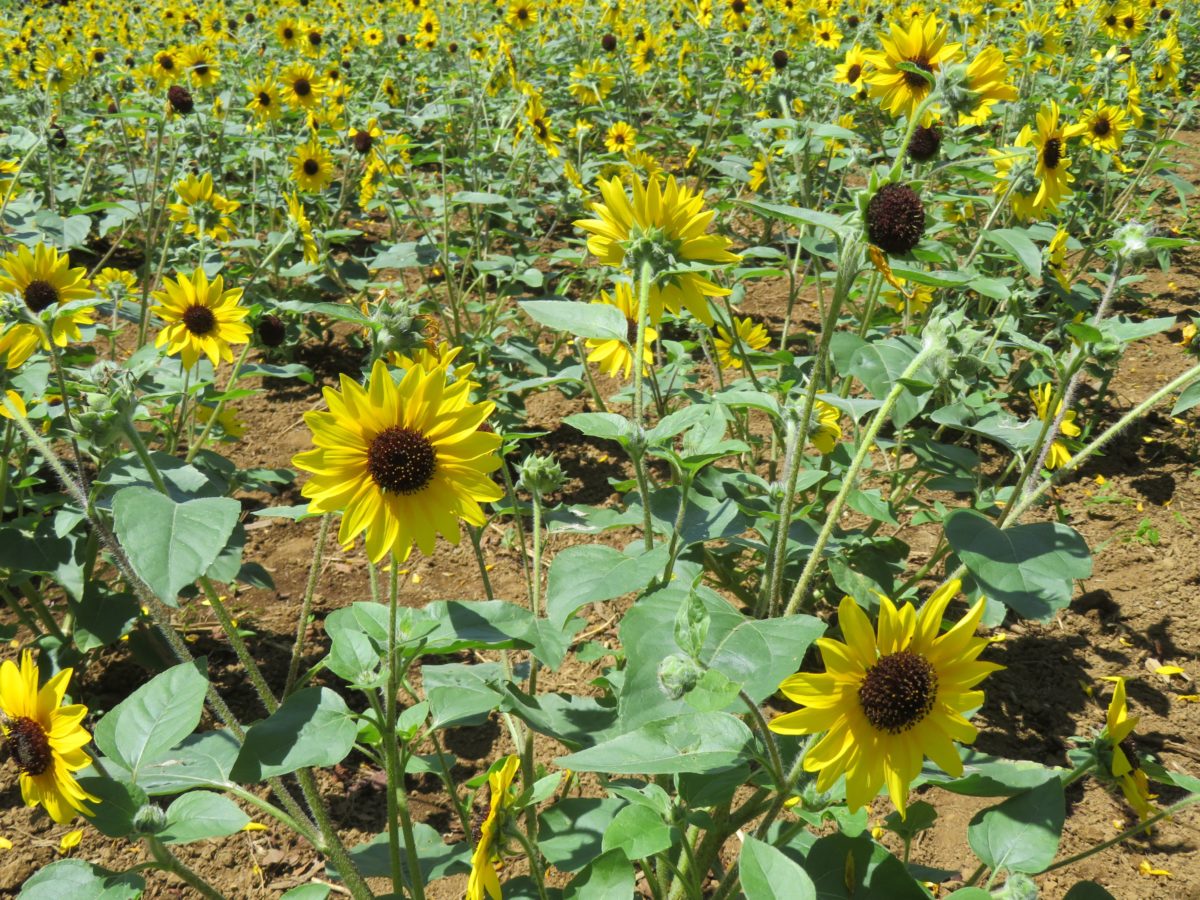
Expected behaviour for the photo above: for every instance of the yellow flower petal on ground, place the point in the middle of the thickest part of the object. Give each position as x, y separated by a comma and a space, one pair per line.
401, 462
889, 697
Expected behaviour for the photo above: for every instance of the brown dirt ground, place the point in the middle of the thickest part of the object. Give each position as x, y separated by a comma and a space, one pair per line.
1136, 611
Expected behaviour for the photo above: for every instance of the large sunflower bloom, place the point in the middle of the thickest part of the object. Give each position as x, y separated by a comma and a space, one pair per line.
43, 279
402, 462
922, 43
202, 318
45, 739
887, 701
674, 219
483, 861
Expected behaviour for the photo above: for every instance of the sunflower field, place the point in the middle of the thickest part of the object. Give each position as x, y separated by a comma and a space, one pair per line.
593, 449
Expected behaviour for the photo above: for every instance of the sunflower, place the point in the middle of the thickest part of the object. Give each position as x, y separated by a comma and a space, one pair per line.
1056, 258
1117, 736
264, 99
483, 861
401, 461
621, 136
42, 279
166, 66
301, 86
750, 336
757, 74
372, 37
202, 318
825, 431
1104, 127
1052, 168
201, 63
300, 220
288, 33
674, 220
827, 35
312, 166
45, 739
540, 125
521, 14
591, 82
851, 70
922, 43
987, 83
204, 211
615, 355
1059, 454
886, 701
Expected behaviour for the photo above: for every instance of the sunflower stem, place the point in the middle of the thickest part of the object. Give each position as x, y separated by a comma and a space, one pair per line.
229, 626
310, 587
645, 280
196, 446
760, 724
169, 862
850, 477
476, 536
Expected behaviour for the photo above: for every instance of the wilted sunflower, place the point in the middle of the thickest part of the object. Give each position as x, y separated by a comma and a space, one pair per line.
613, 356
674, 220
1118, 736
886, 701
1058, 454
402, 462
45, 739
202, 318
42, 279
312, 166
750, 335
923, 44
483, 877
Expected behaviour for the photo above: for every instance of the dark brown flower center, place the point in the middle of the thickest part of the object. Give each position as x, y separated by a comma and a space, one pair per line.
898, 691
1101, 126
314, 38
401, 460
1129, 22
166, 63
201, 69
301, 87
912, 79
311, 167
29, 745
264, 99
199, 320
40, 295
1052, 153
288, 34
853, 72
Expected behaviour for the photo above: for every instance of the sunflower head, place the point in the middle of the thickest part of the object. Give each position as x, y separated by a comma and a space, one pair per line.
895, 218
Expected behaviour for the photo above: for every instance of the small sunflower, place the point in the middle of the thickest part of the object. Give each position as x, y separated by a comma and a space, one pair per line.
987, 82
674, 220
1124, 767
621, 136
483, 877
166, 66
312, 166
201, 63
1104, 127
43, 279
45, 739
301, 86
852, 69
750, 335
203, 211
288, 33
299, 218
402, 462
615, 356
521, 14
826, 34
1056, 258
264, 99
202, 318
886, 701
923, 44
826, 429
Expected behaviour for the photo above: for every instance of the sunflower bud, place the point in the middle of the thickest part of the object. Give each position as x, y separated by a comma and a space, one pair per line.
541, 475
678, 674
180, 99
1131, 241
149, 819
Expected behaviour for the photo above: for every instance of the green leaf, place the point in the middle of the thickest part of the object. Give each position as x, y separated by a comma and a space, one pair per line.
77, 878
638, 832
608, 876
482, 198
989, 776
436, 858
594, 572
571, 831
1017, 242
201, 815
308, 892
119, 803
171, 544
796, 215
689, 742
1087, 890
143, 727
574, 721
845, 868
313, 727
879, 365
769, 874
1029, 568
599, 321
601, 425
461, 694
1189, 399
1022, 833
691, 625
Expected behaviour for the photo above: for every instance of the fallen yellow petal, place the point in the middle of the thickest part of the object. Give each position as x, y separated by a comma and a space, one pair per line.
5, 843
1168, 671
1189, 698
254, 826
70, 840
1146, 869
